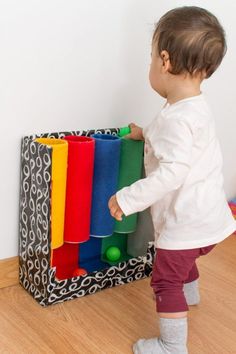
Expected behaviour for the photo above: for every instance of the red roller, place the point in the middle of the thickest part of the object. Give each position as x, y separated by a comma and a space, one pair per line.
79, 188
65, 259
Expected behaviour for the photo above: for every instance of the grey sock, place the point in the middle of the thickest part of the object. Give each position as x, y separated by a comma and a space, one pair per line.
173, 339
191, 293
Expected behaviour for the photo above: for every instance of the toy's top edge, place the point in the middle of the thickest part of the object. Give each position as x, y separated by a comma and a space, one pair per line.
87, 132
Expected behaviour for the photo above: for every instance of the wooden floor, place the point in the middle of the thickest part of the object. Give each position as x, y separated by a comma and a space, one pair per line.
109, 322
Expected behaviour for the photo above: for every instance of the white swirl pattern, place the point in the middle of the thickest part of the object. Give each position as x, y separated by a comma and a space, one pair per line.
36, 275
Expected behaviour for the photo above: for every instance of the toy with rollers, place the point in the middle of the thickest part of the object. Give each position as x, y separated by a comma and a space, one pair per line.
86, 172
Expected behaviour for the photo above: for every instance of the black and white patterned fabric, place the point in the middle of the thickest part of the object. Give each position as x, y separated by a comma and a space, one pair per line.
36, 274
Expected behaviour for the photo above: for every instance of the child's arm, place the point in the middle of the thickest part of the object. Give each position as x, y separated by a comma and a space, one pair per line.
172, 147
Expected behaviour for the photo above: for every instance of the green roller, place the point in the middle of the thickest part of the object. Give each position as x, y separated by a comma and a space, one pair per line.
131, 163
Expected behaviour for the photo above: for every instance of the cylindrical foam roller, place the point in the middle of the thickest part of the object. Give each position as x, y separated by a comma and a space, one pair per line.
137, 243
79, 188
105, 181
131, 162
90, 255
58, 188
65, 259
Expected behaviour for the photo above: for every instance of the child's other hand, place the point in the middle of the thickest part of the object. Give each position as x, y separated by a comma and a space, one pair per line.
115, 209
136, 132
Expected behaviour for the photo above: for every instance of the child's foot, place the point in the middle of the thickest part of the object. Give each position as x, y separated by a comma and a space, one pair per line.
191, 293
156, 346
148, 346
173, 338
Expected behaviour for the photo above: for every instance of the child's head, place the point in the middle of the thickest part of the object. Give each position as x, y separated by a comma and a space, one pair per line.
193, 38
188, 41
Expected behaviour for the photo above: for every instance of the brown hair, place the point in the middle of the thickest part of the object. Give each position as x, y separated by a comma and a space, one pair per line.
194, 39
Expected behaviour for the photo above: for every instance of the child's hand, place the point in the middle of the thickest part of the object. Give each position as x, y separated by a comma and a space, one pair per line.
115, 210
136, 132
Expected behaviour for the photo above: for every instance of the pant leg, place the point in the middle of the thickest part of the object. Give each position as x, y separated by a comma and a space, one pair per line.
170, 270
206, 250
193, 274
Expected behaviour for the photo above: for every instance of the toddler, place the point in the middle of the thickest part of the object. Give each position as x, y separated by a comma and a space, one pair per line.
183, 163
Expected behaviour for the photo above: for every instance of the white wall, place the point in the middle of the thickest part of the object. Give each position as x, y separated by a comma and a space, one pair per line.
77, 64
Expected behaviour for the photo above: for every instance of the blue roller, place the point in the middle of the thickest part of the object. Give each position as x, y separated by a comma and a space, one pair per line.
90, 255
105, 182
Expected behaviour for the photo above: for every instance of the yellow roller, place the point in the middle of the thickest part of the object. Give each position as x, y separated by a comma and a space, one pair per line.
58, 188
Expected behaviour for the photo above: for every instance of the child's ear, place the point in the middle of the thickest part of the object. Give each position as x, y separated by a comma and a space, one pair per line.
165, 60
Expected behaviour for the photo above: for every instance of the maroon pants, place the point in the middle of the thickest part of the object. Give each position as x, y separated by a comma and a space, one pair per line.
171, 270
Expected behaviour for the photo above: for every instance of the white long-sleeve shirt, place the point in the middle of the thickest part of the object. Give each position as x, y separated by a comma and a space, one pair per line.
184, 182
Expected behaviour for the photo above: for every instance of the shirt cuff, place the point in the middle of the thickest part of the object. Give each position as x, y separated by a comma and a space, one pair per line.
145, 132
